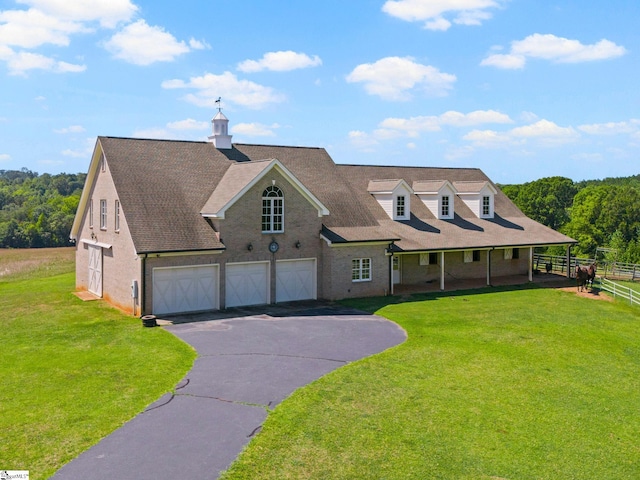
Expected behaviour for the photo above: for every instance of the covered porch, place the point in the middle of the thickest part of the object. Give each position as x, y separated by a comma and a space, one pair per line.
413, 272
549, 279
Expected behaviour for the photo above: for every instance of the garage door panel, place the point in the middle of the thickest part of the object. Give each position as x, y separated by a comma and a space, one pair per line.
296, 280
247, 284
185, 289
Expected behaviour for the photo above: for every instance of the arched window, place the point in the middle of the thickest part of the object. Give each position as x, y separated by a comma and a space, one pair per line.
272, 210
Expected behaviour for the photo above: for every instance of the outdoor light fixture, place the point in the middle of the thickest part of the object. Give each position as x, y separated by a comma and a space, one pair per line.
298, 244
249, 247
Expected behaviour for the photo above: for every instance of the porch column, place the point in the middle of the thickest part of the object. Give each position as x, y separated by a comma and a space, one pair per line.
442, 271
569, 261
488, 268
531, 264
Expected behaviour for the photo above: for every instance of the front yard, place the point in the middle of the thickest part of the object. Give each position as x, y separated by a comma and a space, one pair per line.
71, 371
491, 384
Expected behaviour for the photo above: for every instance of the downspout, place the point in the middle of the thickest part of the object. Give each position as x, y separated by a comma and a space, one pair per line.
142, 293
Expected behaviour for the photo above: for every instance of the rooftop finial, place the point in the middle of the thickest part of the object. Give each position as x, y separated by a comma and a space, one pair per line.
218, 103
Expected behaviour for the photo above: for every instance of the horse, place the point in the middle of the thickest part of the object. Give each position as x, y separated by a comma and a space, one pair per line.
585, 276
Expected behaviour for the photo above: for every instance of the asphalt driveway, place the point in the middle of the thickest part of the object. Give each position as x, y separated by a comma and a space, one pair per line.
245, 366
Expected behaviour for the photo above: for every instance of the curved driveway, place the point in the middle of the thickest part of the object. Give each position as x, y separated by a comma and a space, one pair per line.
245, 366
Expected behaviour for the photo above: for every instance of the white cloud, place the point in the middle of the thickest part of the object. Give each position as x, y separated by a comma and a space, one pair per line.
555, 49
54, 22
108, 12
542, 133
4, 157
611, 128
83, 152
71, 129
433, 12
33, 28
413, 126
255, 129
362, 140
505, 61
141, 44
21, 62
210, 87
188, 124
282, 61
394, 78
156, 133
199, 44
545, 129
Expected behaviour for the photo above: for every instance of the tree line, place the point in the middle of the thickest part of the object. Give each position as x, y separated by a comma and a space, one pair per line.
596, 213
37, 210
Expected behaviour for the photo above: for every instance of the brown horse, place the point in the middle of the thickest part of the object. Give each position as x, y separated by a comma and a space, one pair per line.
585, 276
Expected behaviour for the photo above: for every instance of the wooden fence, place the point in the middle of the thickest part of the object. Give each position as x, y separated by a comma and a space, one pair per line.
558, 264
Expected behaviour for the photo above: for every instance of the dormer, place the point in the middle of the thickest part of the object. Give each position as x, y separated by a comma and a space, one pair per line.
478, 196
394, 196
438, 196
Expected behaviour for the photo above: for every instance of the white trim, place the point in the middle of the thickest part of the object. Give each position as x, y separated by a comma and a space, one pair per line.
355, 244
95, 243
181, 254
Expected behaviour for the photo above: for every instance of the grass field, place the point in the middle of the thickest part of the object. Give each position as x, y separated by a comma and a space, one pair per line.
71, 371
498, 384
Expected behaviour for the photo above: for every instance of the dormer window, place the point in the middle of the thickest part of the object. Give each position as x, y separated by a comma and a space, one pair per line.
437, 195
486, 206
445, 206
394, 196
478, 197
400, 211
272, 210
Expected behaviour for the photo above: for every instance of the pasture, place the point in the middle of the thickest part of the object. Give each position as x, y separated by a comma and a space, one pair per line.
492, 384
72, 371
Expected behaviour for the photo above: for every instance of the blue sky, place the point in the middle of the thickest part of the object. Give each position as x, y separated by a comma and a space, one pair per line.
522, 89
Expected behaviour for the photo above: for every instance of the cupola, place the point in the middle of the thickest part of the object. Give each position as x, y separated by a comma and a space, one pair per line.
220, 125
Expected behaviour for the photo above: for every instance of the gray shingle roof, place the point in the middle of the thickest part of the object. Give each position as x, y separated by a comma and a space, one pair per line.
164, 185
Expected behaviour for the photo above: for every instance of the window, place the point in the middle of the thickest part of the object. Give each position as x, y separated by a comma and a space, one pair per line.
516, 253
91, 213
361, 269
471, 256
445, 206
400, 210
103, 214
272, 210
117, 218
433, 258
486, 206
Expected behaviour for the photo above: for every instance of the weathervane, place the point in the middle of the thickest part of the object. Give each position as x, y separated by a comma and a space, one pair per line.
218, 104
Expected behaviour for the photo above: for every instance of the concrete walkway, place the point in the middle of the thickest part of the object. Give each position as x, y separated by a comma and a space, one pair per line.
245, 366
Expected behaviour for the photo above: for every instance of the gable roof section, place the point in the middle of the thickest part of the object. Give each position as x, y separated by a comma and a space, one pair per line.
423, 231
240, 177
473, 188
386, 186
430, 187
162, 186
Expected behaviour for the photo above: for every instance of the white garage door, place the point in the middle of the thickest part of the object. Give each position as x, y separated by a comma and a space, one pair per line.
185, 289
296, 280
246, 284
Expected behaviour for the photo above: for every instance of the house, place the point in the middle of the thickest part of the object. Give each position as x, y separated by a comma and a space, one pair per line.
175, 226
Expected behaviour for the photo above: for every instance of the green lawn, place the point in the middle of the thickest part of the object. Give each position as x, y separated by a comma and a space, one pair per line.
71, 371
498, 384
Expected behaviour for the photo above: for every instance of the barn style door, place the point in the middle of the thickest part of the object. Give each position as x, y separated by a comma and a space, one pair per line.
95, 270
